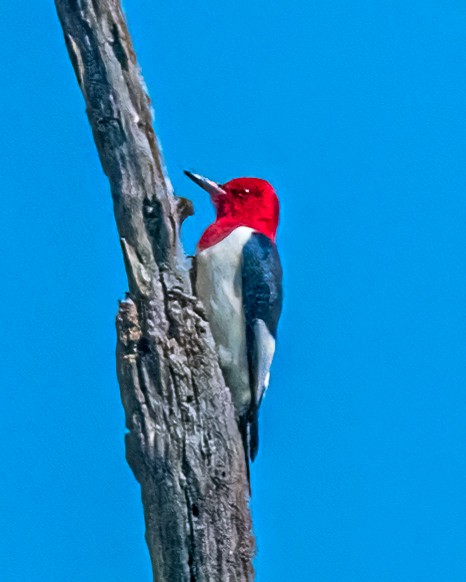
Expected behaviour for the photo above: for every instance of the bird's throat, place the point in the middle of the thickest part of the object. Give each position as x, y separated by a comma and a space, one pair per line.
222, 227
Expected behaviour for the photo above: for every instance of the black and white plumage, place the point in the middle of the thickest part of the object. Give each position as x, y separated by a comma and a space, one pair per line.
262, 304
239, 280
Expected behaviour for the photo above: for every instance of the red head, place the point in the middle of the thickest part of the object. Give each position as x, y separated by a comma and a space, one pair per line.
240, 202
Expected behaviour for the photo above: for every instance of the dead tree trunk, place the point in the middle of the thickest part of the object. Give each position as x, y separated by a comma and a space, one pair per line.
183, 443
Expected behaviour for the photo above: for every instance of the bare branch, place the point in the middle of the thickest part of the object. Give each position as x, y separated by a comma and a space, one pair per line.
183, 443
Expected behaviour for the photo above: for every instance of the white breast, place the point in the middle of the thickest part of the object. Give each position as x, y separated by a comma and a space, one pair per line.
219, 286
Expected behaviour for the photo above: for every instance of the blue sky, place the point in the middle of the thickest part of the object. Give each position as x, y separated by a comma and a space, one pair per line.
355, 111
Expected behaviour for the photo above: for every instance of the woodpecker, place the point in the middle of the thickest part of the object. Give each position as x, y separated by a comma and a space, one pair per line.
239, 281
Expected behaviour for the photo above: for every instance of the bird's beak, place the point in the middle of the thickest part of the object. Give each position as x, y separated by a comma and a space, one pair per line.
214, 189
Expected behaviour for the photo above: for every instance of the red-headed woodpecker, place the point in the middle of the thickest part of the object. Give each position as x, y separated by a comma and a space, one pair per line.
239, 281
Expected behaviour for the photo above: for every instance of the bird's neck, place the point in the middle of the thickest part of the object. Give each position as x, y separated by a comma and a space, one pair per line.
225, 225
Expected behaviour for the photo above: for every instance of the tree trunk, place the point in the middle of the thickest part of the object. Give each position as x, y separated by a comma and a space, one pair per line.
183, 443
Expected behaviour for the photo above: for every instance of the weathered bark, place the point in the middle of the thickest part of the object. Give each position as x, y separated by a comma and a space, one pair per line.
183, 443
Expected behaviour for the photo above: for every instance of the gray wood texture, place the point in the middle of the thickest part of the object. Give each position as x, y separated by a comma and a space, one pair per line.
182, 443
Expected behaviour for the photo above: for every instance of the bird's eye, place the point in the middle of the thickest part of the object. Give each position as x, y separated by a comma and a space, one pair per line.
247, 191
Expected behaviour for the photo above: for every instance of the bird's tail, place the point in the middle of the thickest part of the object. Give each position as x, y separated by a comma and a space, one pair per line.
249, 429
244, 430
253, 437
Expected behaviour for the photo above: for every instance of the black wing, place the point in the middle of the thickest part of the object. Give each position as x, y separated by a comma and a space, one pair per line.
262, 303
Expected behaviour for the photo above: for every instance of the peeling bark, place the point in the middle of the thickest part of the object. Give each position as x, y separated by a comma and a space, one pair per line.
183, 443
